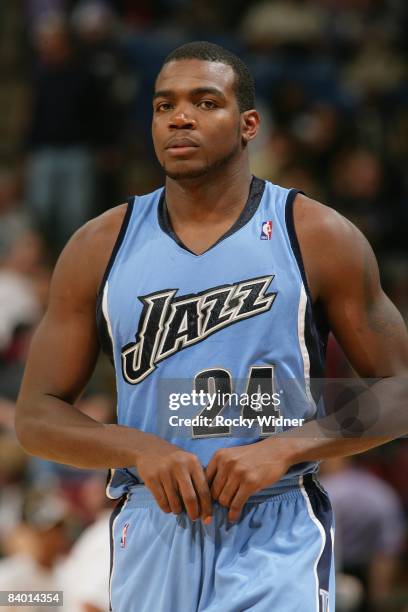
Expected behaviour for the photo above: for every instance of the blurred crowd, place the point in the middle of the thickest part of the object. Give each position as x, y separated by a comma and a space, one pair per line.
76, 80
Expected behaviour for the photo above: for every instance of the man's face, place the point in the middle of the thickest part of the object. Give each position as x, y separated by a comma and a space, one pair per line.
196, 120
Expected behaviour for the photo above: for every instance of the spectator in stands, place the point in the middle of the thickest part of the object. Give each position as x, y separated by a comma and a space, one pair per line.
86, 569
13, 463
283, 23
36, 546
24, 281
369, 528
66, 119
99, 35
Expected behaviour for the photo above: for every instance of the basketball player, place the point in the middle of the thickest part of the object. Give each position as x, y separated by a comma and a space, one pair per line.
217, 278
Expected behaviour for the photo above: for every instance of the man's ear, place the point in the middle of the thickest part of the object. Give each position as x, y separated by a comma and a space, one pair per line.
250, 121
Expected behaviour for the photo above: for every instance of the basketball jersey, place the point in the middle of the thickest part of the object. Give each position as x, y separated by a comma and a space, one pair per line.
236, 319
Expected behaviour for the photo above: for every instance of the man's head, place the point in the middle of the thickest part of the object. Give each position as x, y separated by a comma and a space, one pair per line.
203, 110
244, 86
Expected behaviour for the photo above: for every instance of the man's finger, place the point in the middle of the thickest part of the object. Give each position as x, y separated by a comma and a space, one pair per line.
237, 503
211, 470
228, 492
203, 494
218, 483
172, 494
159, 495
189, 496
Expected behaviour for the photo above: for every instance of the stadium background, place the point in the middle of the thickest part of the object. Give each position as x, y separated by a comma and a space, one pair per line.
75, 98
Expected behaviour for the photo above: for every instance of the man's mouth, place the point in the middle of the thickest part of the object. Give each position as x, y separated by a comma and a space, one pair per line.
178, 147
175, 143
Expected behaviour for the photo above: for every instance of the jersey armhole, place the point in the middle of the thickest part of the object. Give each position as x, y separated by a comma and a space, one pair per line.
103, 331
316, 325
294, 242
118, 242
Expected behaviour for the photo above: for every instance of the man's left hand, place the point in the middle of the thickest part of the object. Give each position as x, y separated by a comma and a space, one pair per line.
236, 473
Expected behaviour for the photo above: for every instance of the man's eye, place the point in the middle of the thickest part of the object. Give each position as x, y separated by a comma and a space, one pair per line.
207, 104
162, 107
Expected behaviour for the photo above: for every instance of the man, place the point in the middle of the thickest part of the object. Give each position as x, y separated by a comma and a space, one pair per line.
189, 283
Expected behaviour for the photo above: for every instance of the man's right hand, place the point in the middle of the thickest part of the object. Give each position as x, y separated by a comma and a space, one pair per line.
176, 478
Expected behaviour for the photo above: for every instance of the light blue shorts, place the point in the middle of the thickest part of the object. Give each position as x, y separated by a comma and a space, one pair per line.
277, 558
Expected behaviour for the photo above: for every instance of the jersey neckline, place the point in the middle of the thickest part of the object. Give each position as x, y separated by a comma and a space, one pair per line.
256, 191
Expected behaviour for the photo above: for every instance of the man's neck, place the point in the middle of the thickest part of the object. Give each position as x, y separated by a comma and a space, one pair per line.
208, 199
202, 210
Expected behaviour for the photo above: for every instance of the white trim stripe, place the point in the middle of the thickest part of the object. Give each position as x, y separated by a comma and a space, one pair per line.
323, 536
302, 343
108, 484
332, 540
105, 312
333, 558
112, 535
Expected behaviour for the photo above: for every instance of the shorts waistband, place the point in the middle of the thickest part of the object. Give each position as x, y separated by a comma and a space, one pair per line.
140, 495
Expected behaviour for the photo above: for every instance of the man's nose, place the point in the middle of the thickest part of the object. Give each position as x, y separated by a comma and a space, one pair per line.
182, 119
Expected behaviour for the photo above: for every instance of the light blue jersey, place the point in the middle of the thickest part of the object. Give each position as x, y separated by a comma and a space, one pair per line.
235, 319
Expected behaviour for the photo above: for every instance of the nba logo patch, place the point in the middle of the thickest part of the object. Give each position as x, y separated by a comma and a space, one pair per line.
266, 232
124, 533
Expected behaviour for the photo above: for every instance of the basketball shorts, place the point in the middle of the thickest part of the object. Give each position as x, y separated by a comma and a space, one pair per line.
278, 557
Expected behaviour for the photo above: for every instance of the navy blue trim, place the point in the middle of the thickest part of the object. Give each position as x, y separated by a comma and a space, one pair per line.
129, 473
256, 192
322, 510
103, 333
290, 226
316, 325
115, 513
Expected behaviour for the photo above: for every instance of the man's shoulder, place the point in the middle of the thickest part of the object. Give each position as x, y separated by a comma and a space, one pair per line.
330, 244
110, 222
311, 216
86, 255
324, 227
104, 227
98, 236
315, 217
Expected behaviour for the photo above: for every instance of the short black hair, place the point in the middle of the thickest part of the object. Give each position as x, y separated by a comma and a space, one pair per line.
244, 85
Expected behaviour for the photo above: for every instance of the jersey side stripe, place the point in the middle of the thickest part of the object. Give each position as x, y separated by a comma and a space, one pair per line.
103, 333
302, 343
319, 510
108, 326
112, 522
323, 536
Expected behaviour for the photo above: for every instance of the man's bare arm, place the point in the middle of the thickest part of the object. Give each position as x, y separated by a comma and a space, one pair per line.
61, 360
342, 274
